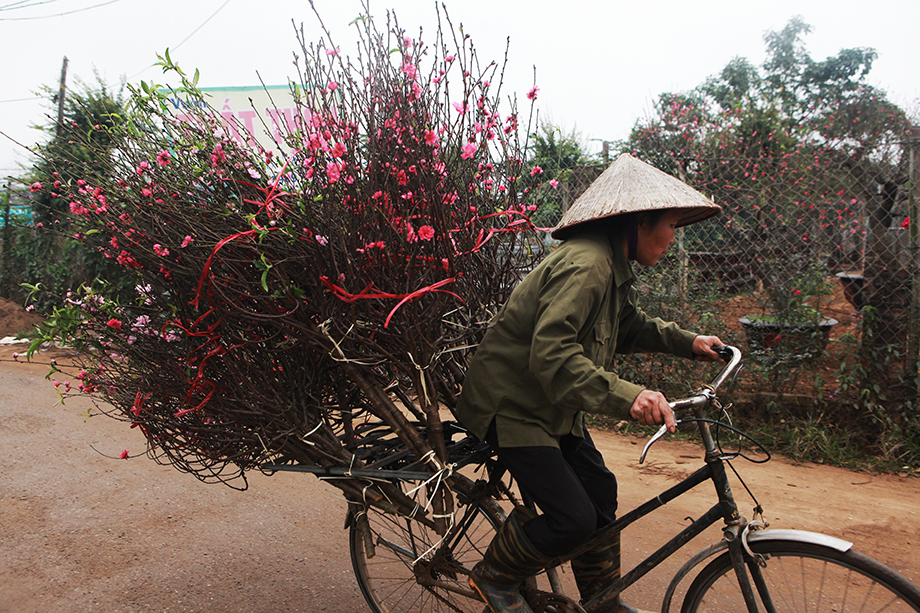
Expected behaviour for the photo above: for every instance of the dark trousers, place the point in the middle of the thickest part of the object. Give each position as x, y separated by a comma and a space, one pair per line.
571, 486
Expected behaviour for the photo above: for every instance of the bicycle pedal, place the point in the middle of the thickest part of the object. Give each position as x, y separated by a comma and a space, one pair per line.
547, 602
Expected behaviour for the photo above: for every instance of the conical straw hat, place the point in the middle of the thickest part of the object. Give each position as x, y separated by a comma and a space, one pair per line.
630, 185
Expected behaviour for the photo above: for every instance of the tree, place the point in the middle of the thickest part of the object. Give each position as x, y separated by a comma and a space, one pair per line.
553, 172
46, 253
753, 137
807, 160
82, 138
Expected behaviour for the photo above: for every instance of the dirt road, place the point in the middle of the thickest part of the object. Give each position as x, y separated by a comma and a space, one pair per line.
81, 530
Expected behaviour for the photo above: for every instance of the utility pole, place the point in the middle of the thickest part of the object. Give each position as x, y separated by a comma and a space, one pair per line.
60, 97
605, 150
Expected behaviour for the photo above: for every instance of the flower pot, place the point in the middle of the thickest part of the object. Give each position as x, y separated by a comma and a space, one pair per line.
853, 288
807, 339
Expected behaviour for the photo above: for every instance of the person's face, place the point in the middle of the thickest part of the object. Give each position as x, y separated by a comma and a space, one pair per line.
654, 240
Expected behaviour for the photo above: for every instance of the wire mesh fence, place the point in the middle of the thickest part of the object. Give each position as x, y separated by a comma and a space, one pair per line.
811, 268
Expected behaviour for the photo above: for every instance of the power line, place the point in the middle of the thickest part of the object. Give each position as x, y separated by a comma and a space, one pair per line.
86, 8
184, 40
22, 99
195, 31
24, 4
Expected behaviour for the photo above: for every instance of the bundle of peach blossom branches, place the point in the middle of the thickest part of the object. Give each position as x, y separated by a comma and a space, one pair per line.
289, 304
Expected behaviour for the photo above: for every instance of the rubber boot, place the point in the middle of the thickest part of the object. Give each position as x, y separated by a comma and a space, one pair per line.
597, 568
510, 559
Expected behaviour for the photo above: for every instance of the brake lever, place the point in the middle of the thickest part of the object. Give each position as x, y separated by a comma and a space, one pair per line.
661, 432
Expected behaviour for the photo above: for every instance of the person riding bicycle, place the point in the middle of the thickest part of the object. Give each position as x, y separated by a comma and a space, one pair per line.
545, 362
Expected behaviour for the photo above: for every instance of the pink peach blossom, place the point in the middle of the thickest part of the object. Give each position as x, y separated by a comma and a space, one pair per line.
334, 171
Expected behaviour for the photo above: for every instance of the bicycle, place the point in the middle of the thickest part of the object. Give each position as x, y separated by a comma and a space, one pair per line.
413, 563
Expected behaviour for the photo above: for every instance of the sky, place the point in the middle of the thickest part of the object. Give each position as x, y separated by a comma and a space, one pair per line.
599, 64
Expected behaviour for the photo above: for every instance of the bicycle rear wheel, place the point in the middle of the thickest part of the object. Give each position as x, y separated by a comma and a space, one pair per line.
413, 570
804, 577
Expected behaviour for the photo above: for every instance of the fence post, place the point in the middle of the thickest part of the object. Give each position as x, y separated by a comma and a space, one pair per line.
913, 344
682, 255
682, 284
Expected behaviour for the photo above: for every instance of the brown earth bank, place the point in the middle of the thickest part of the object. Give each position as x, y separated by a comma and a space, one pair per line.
15, 320
82, 530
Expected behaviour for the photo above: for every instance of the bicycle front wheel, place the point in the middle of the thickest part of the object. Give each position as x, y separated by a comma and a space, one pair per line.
803, 577
414, 570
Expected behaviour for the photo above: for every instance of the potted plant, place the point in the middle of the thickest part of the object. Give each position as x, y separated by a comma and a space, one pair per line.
791, 319
853, 284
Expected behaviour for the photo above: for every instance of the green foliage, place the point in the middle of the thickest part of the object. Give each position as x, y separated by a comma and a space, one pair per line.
82, 139
795, 294
873, 378
50, 253
555, 160
831, 431
56, 263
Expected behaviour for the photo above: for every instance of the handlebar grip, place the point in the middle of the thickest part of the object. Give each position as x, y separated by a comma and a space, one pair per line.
688, 403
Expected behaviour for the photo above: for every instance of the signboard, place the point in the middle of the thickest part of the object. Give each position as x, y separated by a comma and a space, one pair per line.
20, 215
259, 114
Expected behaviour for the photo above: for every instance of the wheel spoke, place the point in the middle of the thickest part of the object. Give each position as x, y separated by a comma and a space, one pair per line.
397, 581
805, 578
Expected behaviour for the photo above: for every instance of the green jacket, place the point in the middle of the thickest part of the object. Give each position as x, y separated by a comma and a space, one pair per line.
546, 360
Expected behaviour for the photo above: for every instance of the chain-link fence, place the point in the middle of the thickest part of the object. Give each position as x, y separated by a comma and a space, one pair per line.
810, 268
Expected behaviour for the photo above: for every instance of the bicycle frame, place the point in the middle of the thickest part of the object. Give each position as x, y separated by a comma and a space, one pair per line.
725, 508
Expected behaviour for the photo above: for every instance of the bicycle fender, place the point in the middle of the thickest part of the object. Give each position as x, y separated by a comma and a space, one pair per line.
800, 536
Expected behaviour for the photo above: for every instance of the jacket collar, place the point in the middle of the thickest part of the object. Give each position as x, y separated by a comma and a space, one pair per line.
622, 271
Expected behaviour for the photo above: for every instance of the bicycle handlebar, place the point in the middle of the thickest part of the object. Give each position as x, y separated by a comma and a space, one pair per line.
702, 397
705, 395
733, 363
